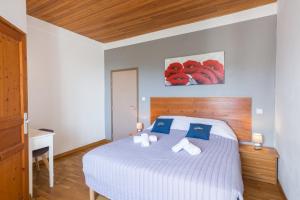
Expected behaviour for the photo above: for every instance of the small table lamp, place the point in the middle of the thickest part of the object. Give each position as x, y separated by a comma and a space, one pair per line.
257, 139
139, 126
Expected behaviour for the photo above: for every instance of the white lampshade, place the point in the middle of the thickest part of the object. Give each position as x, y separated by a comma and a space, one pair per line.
257, 138
139, 126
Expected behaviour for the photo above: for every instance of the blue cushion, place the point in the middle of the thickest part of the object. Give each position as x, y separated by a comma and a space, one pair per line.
201, 131
162, 125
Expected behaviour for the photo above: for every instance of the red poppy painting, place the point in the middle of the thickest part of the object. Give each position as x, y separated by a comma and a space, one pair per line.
204, 69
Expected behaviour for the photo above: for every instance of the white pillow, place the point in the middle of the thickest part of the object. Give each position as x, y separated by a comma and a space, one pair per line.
219, 127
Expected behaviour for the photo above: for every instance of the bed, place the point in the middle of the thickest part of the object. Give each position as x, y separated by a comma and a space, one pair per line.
123, 170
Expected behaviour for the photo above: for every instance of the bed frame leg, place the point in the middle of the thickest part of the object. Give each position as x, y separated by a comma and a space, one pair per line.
92, 194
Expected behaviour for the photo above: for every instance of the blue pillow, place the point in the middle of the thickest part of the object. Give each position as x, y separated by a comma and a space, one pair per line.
201, 131
162, 125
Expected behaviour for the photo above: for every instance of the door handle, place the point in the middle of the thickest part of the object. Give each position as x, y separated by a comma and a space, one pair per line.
132, 107
26, 121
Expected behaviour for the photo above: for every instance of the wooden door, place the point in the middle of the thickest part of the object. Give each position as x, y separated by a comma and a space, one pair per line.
13, 104
124, 102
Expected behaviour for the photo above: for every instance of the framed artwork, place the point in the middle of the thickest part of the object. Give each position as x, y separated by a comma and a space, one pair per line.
203, 69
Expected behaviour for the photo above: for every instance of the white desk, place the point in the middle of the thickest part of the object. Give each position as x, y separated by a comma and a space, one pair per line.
37, 140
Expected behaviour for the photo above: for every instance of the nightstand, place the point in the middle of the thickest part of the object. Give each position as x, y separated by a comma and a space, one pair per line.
260, 165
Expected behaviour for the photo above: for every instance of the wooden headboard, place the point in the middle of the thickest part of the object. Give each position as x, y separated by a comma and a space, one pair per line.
236, 111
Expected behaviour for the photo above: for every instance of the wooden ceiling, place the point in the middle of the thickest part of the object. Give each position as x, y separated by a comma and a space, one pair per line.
111, 20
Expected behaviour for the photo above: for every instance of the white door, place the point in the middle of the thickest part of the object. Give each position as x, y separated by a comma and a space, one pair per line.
124, 102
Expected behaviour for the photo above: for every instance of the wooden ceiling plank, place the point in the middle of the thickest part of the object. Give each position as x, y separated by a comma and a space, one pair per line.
45, 6
70, 7
93, 9
173, 18
34, 5
59, 12
190, 20
147, 11
110, 20
117, 11
130, 19
238, 5
176, 21
190, 14
121, 23
131, 32
154, 22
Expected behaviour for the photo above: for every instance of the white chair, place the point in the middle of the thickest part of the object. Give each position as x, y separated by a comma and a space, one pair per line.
42, 152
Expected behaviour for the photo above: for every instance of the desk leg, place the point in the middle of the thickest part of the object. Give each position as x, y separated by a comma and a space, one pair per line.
92, 194
51, 170
30, 167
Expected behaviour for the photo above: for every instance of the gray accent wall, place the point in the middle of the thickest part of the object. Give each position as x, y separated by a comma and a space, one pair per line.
250, 50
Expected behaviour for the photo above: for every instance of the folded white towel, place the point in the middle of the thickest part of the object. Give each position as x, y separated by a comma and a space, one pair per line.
137, 139
187, 146
153, 138
192, 149
145, 140
179, 146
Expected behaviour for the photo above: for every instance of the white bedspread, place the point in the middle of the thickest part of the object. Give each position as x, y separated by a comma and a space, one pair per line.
123, 170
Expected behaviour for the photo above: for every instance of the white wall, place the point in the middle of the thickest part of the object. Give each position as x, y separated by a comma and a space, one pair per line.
66, 85
288, 96
15, 12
